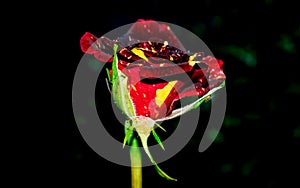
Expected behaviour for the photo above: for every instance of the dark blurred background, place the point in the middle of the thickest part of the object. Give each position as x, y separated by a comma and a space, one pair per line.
259, 141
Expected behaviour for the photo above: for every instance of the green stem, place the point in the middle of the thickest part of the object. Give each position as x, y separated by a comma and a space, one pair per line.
136, 165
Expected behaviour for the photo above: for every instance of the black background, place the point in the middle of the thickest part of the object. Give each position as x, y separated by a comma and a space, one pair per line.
258, 145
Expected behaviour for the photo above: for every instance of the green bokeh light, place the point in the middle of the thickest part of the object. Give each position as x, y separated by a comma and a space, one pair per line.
80, 120
297, 32
294, 88
286, 44
217, 136
252, 116
216, 21
241, 80
226, 168
248, 167
231, 121
246, 55
199, 29
296, 132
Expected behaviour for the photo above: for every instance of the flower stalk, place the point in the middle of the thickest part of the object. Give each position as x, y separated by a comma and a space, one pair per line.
136, 165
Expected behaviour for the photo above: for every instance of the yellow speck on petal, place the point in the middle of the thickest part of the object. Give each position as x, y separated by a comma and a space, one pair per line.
191, 59
139, 53
162, 94
192, 63
121, 51
153, 50
165, 44
144, 94
133, 87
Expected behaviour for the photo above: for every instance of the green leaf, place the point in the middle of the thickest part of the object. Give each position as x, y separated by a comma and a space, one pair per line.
128, 133
158, 139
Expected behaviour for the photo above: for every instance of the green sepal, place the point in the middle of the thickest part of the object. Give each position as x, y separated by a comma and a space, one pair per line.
162, 173
108, 75
200, 102
115, 64
120, 93
158, 139
128, 133
144, 139
158, 125
193, 105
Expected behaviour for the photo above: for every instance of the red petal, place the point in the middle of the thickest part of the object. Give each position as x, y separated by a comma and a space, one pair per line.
144, 98
159, 72
93, 45
215, 70
147, 30
143, 95
220, 62
86, 42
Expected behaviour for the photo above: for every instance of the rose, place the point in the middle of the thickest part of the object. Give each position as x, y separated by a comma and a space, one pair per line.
171, 60
151, 73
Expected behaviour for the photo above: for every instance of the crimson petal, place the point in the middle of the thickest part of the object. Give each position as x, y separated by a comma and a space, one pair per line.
146, 30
